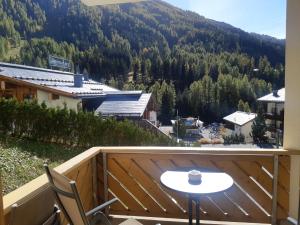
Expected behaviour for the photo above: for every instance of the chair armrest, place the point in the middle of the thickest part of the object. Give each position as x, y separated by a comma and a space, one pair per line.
100, 207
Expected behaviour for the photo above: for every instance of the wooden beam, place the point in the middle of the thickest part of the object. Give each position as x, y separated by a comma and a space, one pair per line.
200, 151
1, 204
292, 104
37, 86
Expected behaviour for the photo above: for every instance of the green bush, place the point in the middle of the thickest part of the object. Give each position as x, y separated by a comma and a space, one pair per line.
234, 139
64, 126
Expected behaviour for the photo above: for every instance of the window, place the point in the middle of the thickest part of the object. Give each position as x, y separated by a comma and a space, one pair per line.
28, 96
54, 97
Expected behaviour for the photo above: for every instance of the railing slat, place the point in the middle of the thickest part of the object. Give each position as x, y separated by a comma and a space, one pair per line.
122, 194
153, 188
154, 171
105, 180
132, 186
252, 203
275, 188
95, 181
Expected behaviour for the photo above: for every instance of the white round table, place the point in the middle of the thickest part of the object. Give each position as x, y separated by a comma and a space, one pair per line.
211, 182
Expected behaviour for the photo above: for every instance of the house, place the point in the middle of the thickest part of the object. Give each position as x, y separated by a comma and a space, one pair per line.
192, 125
274, 107
240, 123
75, 91
128, 104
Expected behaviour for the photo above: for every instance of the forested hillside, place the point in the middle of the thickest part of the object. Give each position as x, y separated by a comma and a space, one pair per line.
199, 66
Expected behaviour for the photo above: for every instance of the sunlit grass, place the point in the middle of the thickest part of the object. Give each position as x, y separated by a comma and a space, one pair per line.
22, 160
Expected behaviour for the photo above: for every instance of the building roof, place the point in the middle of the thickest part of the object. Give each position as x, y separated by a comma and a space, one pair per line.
240, 118
278, 96
54, 79
130, 104
115, 102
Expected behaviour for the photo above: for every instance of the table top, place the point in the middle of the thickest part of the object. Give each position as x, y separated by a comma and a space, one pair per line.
212, 182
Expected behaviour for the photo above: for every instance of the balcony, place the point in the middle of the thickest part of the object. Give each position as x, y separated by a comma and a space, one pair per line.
275, 116
260, 193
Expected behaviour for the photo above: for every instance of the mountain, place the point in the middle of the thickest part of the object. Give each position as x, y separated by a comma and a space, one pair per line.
154, 40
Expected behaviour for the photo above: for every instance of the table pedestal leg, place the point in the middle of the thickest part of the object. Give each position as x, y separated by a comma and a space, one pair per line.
197, 201
197, 211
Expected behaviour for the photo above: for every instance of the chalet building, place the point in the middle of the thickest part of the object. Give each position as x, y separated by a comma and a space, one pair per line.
274, 107
240, 123
129, 104
75, 91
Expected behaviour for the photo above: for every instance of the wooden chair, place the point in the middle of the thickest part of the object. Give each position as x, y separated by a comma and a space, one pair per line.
38, 210
70, 204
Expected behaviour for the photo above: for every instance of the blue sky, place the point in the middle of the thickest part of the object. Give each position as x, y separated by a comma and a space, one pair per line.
259, 16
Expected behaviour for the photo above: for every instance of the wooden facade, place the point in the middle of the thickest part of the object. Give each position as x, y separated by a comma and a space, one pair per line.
17, 90
260, 193
22, 90
152, 106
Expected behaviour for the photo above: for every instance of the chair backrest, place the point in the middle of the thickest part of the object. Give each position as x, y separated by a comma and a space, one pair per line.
67, 197
35, 210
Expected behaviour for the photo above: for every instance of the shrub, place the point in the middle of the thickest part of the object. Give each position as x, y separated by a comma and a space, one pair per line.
234, 139
64, 126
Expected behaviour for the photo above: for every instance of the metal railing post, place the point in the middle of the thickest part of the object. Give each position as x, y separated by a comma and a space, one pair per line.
105, 181
275, 191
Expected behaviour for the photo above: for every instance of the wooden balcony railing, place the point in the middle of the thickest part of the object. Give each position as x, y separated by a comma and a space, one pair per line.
260, 192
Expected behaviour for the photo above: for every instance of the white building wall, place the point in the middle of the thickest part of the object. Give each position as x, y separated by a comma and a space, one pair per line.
71, 103
246, 130
237, 129
153, 117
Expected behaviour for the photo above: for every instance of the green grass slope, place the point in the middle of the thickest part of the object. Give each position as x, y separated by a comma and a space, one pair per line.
22, 160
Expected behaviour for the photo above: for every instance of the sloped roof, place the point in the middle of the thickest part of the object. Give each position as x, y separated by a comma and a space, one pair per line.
130, 104
273, 97
240, 118
116, 102
54, 79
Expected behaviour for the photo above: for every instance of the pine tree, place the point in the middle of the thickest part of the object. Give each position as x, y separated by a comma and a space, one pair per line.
167, 102
136, 70
241, 105
247, 107
259, 129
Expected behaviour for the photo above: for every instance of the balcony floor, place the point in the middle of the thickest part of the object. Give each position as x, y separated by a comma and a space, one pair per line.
116, 220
